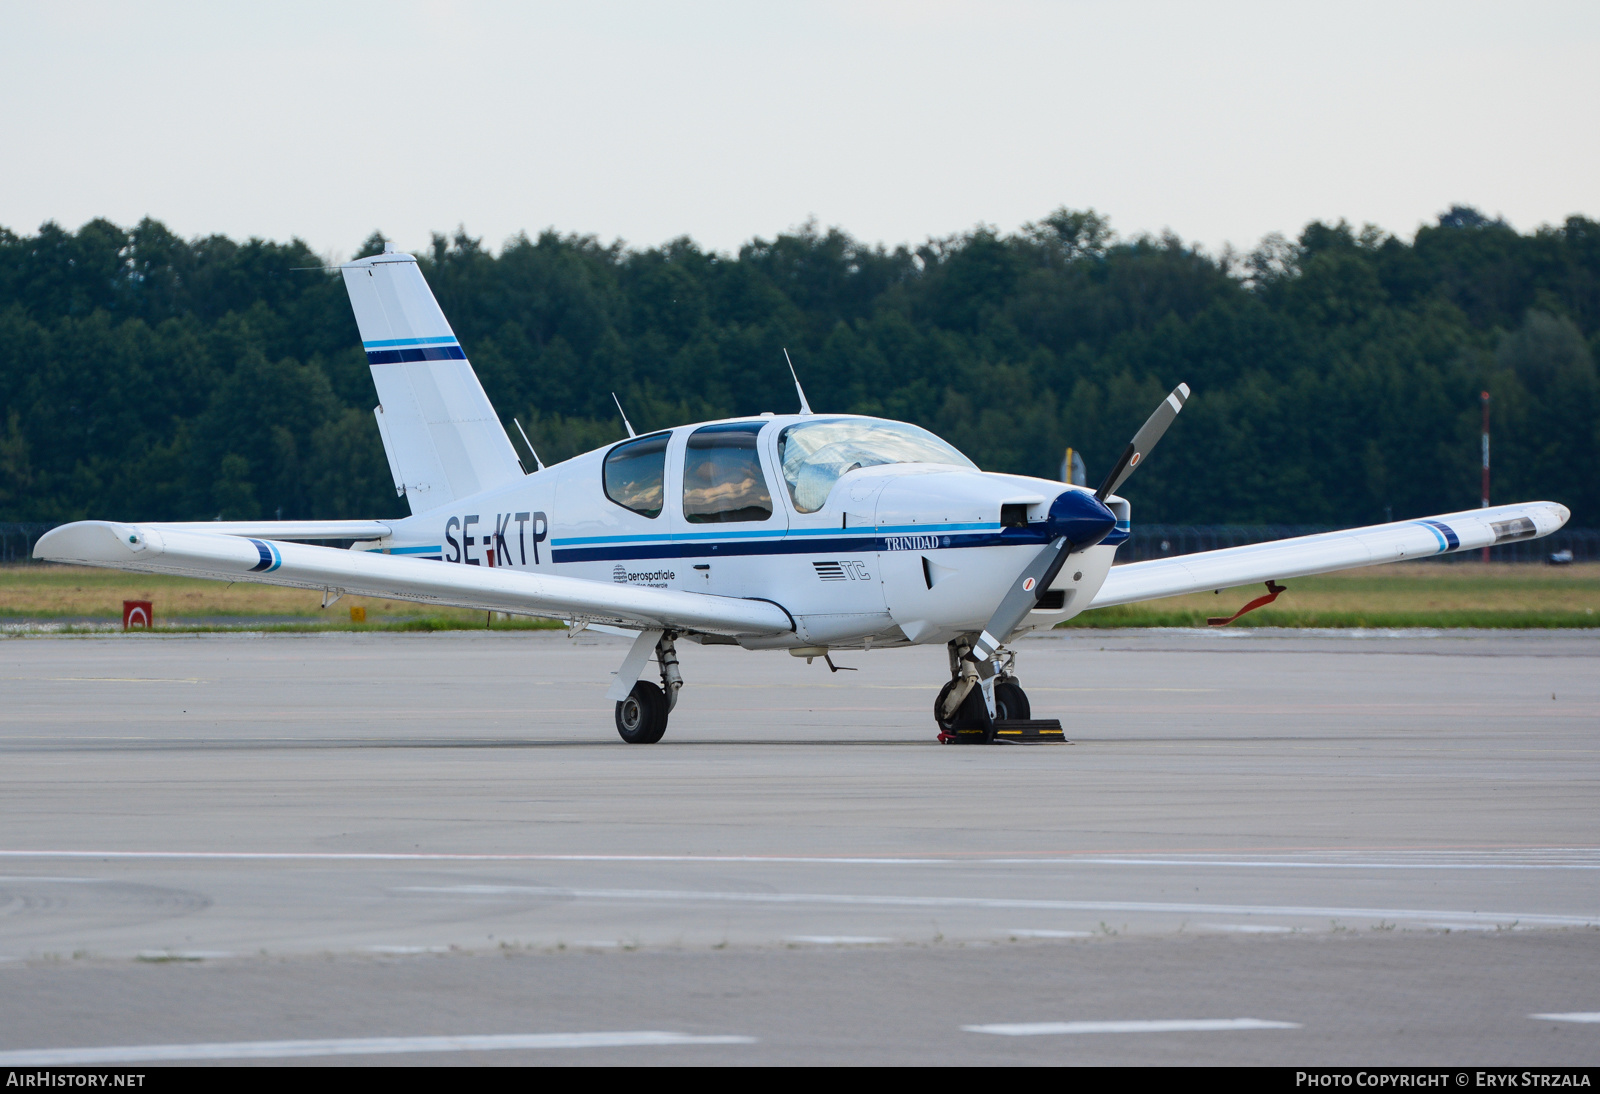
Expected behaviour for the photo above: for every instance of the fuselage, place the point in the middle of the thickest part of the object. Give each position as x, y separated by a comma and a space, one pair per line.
869, 533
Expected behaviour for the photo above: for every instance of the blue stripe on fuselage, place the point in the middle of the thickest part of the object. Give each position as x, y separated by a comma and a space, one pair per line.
436, 550
910, 541
793, 541
782, 533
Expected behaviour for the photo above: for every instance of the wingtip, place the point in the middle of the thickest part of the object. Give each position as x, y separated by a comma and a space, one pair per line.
94, 541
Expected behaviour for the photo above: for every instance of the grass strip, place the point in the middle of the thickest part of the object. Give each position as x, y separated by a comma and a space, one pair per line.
1135, 615
74, 599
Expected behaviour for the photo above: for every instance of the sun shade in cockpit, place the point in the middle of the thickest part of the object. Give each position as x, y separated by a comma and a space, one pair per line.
815, 455
722, 479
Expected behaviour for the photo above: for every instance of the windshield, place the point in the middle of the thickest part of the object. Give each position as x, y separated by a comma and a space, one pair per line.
815, 455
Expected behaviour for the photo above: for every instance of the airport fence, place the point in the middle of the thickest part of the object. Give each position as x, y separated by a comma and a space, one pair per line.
1149, 541
17, 540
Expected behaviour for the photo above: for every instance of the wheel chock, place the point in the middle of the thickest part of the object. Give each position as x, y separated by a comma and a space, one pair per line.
1012, 731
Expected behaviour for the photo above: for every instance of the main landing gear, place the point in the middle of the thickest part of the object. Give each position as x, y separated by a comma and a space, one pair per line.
984, 703
642, 716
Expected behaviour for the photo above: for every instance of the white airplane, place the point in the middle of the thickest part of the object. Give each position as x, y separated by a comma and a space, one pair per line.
802, 532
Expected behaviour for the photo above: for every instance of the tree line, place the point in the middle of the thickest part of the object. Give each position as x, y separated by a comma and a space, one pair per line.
1336, 376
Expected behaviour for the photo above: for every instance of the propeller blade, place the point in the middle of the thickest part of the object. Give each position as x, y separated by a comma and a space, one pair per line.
1021, 598
1077, 521
1143, 441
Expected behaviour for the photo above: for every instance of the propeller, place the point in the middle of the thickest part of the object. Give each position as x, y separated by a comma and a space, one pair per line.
1143, 441
1077, 522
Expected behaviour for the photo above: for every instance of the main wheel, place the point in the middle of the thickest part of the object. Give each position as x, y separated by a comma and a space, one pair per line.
1010, 701
972, 714
642, 716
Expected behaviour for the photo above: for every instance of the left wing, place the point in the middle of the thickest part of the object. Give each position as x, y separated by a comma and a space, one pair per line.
1329, 551
152, 548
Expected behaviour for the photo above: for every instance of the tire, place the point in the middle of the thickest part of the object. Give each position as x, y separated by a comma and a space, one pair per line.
1010, 701
952, 724
972, 714
642, 716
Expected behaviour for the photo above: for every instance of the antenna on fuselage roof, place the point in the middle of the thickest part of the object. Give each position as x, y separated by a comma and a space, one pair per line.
805, 407
624, 414
537, 461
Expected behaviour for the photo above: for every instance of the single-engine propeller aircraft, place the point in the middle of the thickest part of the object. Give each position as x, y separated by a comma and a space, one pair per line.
804, 532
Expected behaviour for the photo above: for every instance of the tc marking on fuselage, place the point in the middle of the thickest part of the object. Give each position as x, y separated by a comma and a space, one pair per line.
845, 570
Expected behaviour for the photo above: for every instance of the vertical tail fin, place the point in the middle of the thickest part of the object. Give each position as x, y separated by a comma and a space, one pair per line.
442, 437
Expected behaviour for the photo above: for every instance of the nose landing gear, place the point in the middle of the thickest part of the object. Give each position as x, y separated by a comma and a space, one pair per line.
984, 702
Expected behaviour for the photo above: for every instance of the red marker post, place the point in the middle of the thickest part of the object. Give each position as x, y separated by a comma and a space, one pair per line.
1485, 400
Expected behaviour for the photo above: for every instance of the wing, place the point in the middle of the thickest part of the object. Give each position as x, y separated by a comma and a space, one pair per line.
170, 550
1320, 554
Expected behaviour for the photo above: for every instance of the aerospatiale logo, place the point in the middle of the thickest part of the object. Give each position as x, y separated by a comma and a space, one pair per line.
653, 579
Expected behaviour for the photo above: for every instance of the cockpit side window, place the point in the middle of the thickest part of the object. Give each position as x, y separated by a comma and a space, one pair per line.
722, 479
635, 474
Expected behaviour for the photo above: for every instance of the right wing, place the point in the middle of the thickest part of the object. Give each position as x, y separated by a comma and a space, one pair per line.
1305, 555
150, 548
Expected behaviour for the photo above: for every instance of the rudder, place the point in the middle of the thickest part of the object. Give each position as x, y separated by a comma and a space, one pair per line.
439, 430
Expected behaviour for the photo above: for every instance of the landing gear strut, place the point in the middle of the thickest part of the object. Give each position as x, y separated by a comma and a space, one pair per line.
980, 694
642, 716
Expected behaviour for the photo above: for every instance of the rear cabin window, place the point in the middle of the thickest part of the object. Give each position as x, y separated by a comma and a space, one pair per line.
722, 479
635, 474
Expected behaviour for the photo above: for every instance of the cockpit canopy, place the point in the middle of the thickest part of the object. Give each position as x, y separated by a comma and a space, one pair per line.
815, 455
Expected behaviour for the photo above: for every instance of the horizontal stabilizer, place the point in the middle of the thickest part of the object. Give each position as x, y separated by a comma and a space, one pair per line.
1328, 551
442, 436
283, 529
150, 549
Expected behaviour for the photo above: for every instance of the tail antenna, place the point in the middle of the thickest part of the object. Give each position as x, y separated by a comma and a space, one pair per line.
537, 461
624, 414
805, 407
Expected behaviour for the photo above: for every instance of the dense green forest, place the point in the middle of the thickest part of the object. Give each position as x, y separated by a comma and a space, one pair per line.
1335, 377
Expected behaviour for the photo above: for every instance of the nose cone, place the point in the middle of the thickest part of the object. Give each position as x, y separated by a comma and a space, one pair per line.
1081, 517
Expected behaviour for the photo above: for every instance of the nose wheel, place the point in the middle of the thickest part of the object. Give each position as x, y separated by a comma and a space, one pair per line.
971, 720
1011, 702
962, 712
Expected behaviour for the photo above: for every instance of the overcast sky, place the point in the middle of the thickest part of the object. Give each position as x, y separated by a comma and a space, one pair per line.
894, 121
